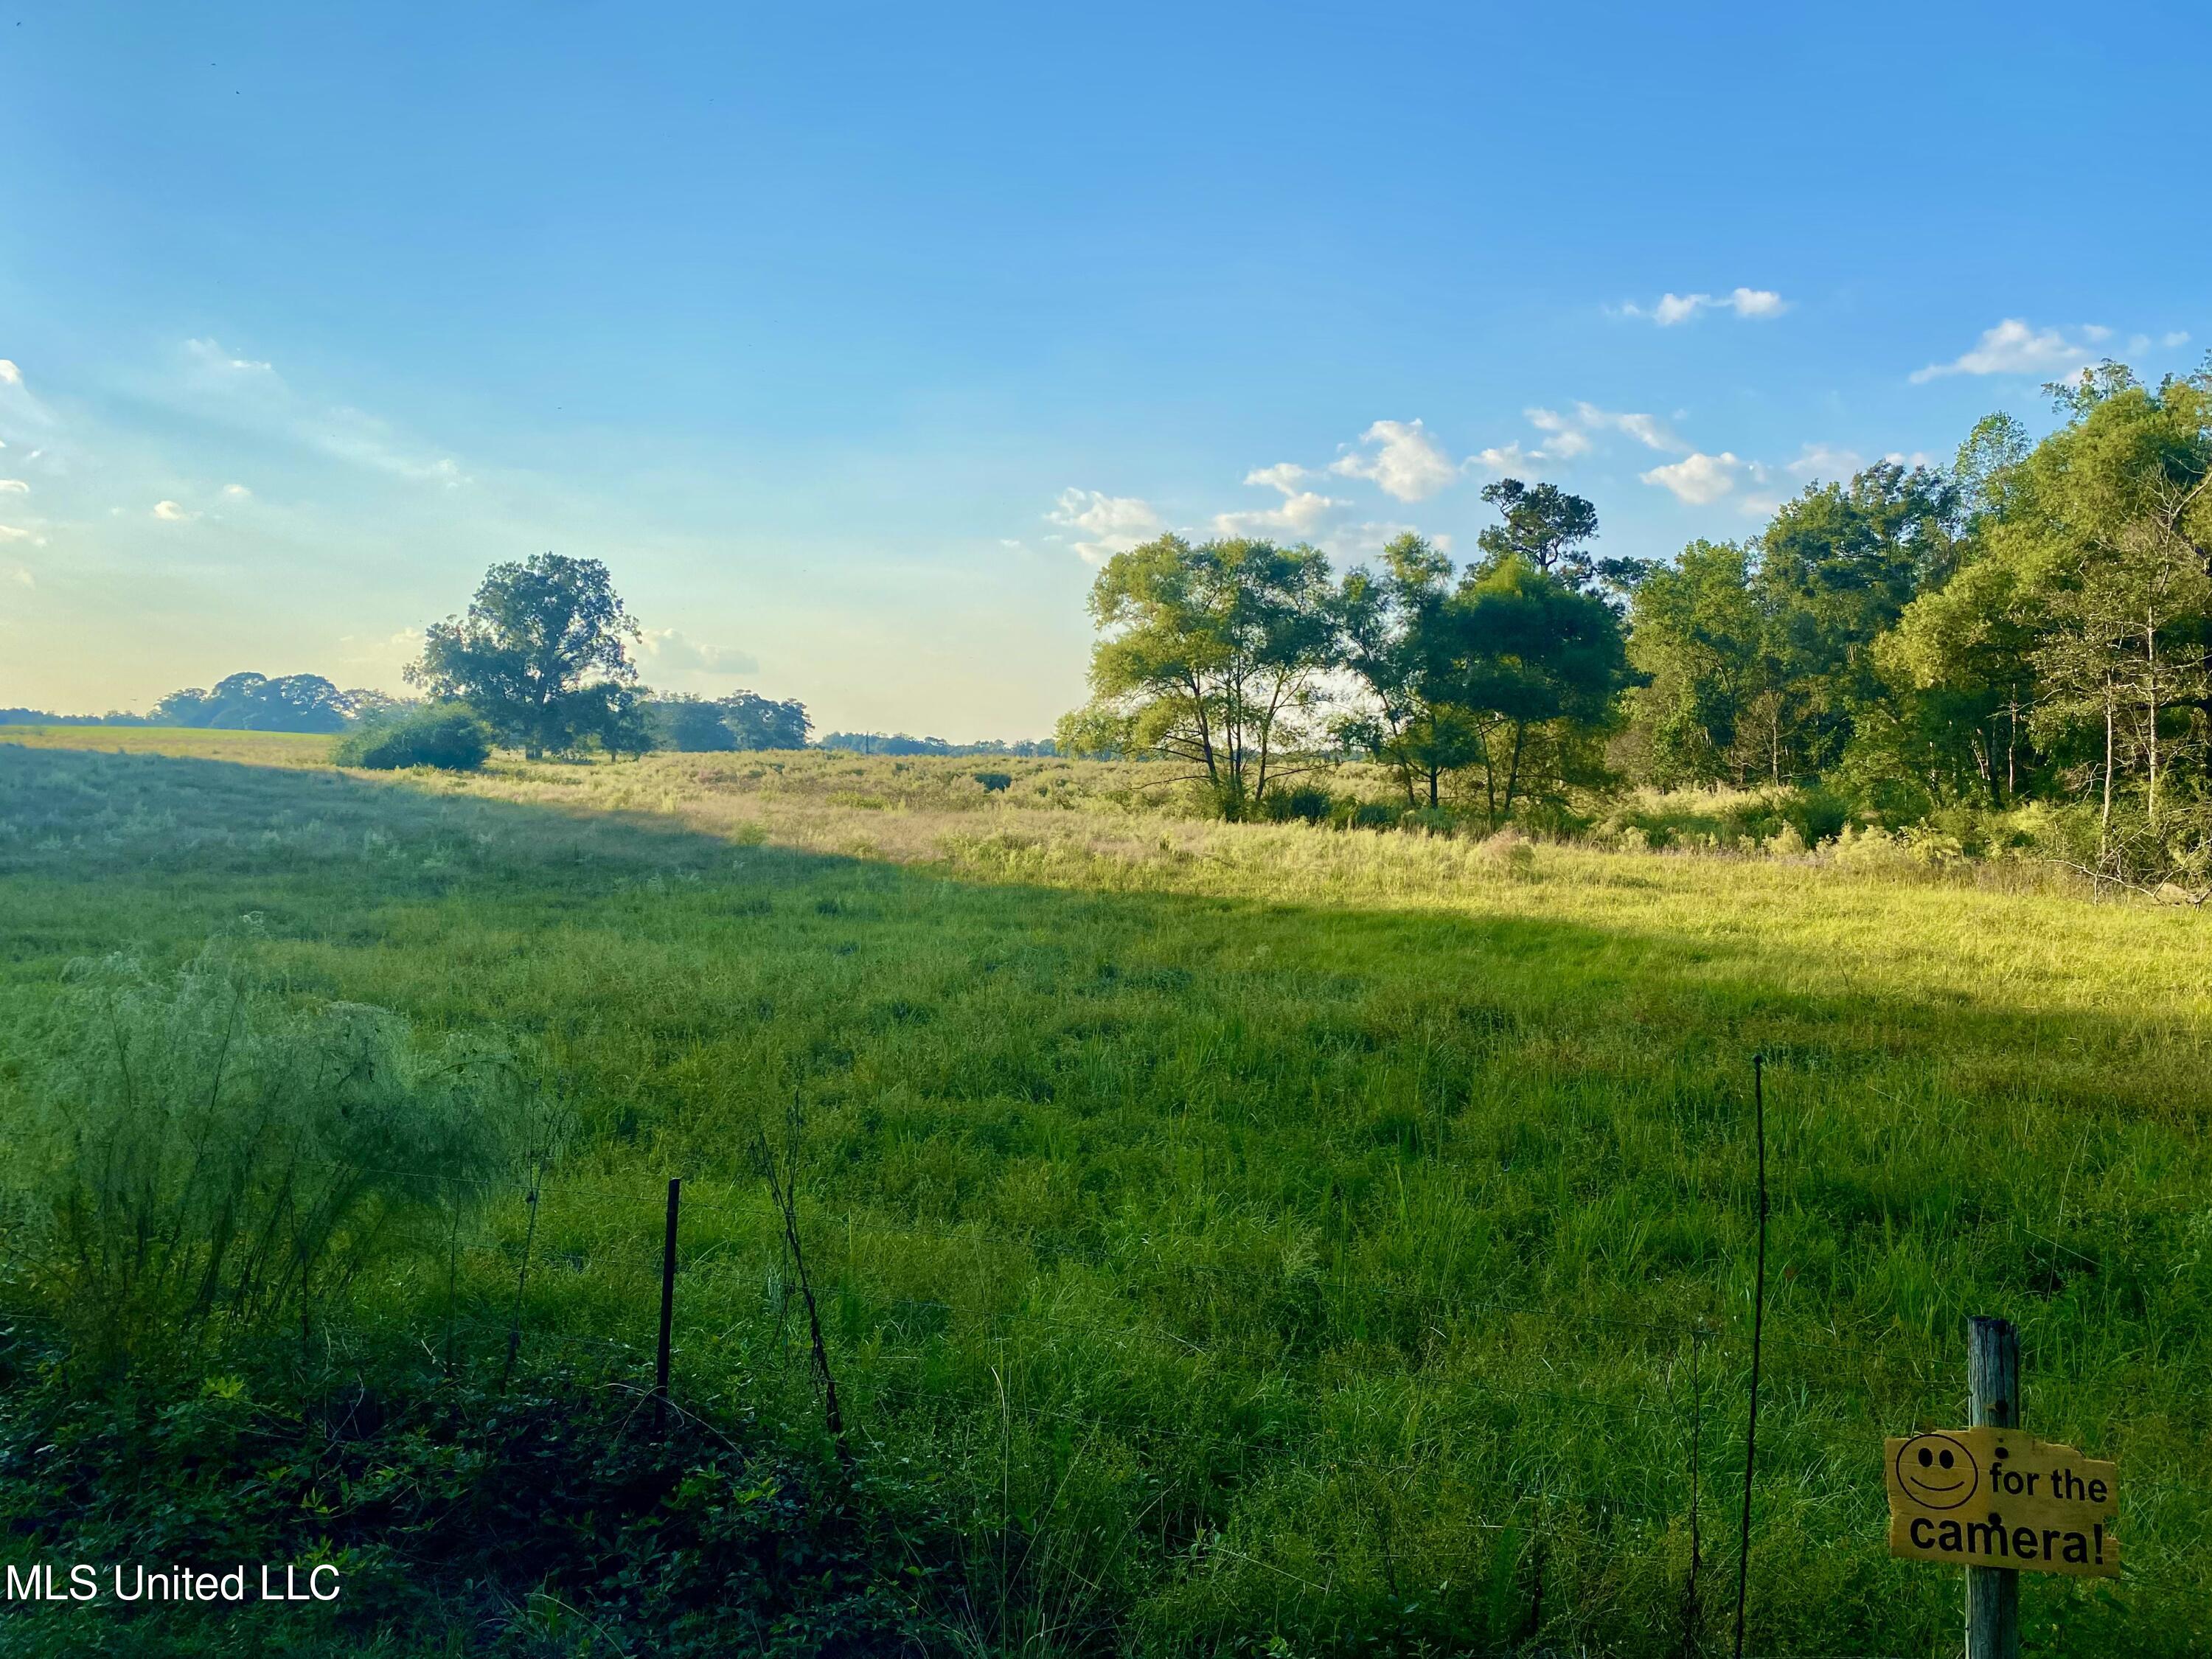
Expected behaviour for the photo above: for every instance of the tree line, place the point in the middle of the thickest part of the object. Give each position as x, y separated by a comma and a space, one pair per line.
2031, 625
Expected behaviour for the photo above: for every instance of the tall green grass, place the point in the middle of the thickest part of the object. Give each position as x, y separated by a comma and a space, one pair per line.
1267, 1237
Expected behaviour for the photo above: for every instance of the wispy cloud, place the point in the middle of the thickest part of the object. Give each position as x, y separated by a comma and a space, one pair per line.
1670, 310
1401, 458
251, 390
1301, 513
14, 487
1569, 434
1696, 479
1106, 525
668, 651
2013, 348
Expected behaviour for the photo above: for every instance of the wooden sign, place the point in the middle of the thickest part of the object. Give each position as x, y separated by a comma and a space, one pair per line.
2000, 1498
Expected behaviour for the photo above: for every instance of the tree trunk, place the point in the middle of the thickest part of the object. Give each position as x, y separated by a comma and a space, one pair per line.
2105, 824
1513, 774
2150, 684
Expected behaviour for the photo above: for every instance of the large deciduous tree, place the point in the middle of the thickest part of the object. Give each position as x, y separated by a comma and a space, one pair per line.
1210, 656
543, 655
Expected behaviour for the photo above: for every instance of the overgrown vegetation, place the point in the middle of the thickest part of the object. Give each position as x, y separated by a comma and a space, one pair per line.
446, 736
1224, 1235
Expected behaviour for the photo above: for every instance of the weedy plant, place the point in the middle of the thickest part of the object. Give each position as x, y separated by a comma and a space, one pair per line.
195, 1157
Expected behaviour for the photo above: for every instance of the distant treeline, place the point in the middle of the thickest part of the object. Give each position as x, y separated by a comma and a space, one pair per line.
898, 742
308, 703
240, 702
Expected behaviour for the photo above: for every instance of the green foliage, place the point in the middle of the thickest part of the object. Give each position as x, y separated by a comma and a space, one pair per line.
193, 1157
543, 655
692, 726
532, 1520
1305, 803
1227, 1227
447, 736
255, 703
758, 722
1535, 670
1211, 657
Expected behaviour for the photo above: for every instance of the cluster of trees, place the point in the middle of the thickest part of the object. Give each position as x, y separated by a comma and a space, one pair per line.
1247, 661
744, 719
543, 657
258, 703
2033, 623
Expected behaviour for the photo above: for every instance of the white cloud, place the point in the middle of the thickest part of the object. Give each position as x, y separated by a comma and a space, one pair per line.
238, 492
170, 512
1647, 429
1109, 524
9, 375
1508, 458
1826, 461
254, 392
1303, 512
1758, 506
2012, 348
209, 355
666, 649
25, 577
1572, 433
1564, 440
1697, 478
2178, 337
14, 486
1674, 308
9, 532
1405, 463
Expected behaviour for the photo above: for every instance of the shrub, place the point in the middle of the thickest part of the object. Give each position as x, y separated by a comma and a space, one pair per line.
1307, 804
189, 1153
1816, 815
447, 737
995, 782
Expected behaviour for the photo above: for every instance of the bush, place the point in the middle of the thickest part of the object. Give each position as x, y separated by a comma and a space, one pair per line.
995, 782
188, 1153
1816, 815
1307, 804
1368, 815
448, 736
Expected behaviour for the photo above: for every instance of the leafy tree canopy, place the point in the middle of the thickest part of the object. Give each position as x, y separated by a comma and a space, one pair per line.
543, 655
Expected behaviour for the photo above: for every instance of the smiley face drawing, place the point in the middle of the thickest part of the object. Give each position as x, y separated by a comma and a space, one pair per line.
1936, 1472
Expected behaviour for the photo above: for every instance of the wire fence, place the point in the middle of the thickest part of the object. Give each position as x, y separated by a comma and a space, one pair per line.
910, 1366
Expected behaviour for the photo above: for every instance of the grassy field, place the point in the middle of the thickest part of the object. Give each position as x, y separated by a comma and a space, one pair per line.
1263, 1238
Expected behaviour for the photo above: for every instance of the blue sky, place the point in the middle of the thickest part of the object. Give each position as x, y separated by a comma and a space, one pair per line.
851, 338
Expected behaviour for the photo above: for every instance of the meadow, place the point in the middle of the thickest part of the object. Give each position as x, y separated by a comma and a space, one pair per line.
1258, 1238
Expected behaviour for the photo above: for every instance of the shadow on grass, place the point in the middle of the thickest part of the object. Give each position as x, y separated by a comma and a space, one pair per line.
1216, 1111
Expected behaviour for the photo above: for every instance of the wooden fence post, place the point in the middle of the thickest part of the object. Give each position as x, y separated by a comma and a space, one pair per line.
1992, 1401
667, 1307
